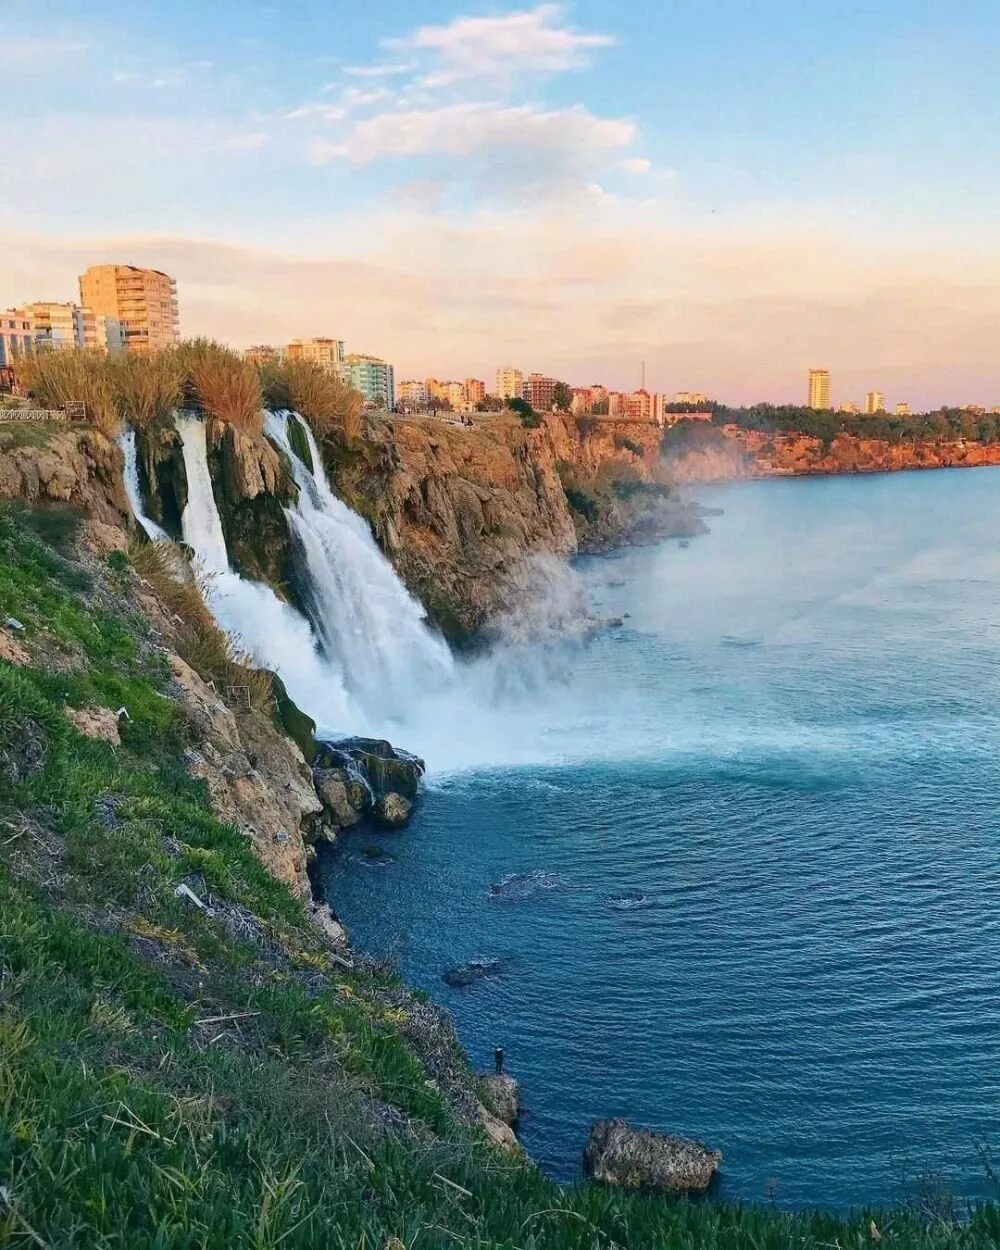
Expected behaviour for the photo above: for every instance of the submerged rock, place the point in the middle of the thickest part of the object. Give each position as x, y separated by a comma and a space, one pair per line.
393, 810
464, 975
637, 1158
501, 1096
520, 885
628, 900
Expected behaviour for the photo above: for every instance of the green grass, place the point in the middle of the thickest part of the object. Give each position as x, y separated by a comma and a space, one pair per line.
171, 1079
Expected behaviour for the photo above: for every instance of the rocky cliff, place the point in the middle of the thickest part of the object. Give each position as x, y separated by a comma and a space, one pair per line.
727, 453
64, 465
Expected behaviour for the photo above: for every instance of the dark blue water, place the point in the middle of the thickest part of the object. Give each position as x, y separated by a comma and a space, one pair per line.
787, 761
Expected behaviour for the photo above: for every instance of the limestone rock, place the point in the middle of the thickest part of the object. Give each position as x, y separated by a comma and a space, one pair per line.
101, 539
637, 1158
393, 810
96, 722
502, 1096
500, 1134
76, 466
345, 797
324, 919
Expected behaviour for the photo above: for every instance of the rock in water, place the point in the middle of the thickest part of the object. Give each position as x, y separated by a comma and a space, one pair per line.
637, 1158
501, 1096
393, 810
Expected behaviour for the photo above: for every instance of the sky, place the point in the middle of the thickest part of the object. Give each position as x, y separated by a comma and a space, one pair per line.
729, 191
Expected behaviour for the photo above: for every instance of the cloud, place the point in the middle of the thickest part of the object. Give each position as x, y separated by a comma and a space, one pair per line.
636, 165
249, 142
462, 130
498, 48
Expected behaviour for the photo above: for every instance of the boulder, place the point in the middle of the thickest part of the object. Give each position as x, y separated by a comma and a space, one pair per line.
344, 796
637, 1158
501, 1096
383, 767
393, 810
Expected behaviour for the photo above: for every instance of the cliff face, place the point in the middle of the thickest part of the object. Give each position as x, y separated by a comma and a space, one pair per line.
730, 453
74, 466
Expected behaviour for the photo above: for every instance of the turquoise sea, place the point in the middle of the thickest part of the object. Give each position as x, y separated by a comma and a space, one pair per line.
756, 832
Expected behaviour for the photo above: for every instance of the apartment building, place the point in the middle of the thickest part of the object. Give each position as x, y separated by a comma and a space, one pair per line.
373, 377
874, 402
639, 405
65, 326
510, 383
17, 335
143, 302
539, 391
328, 354
412, 394
263, 354
475, 392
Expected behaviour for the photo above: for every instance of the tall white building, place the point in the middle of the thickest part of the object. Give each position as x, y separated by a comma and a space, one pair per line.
874, 402
819, 388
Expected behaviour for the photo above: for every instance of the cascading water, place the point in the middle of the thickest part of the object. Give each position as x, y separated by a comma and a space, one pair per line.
126, 441
365, 618
270, 630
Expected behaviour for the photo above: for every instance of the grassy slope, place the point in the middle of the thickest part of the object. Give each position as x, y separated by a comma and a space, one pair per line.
131, 1115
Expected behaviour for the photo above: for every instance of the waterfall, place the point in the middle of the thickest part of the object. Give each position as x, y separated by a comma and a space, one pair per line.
268, 629
126, 441
365, 618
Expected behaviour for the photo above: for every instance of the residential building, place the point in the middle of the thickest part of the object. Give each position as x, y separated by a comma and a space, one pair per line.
327, 353
819, 388
374, 379
639, 405
539, 391
583, 400
475, 392
690, 397
142, 301
510, 383
874, 402
454, 393
62, 326
17, 335
848, 408
264, 354
902, 409
412, 395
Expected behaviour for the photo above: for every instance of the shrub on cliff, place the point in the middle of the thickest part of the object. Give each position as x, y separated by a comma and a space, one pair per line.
222, 384
55, 378
327, 403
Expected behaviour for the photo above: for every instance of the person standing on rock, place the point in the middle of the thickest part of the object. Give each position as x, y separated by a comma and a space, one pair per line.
498, 1060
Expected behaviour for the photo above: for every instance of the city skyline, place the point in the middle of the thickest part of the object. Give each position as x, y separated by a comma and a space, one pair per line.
587, 186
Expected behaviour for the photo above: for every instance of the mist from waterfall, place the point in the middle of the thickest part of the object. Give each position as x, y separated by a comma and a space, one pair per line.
126, 441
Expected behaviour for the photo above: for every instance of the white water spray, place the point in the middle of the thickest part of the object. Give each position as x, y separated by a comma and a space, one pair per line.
365, 618
126, 441
269, 629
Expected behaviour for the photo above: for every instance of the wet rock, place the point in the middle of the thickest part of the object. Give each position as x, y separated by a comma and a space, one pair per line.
501, 1096
383, 767
464, 975
637, 1158
393, 810
519, 885
628, 900
344, 795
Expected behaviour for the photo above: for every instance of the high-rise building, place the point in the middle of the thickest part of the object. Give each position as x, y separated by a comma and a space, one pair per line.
819, 388
539, 391
412, 395
475, 391
327, 353
62, 326
640, 405
510, 383
142, 301
902, 409
17, 335
374, 378
690, 397
874, 402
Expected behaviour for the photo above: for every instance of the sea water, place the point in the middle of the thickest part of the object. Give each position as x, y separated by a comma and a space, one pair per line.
756, 832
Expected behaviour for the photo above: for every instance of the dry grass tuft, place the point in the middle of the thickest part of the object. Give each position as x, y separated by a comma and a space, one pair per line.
200, 641
148, 389
223, 384
56, 378
329, 405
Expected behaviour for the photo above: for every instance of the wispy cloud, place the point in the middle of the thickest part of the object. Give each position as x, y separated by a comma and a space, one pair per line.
461, 130
37, 53
376, 71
